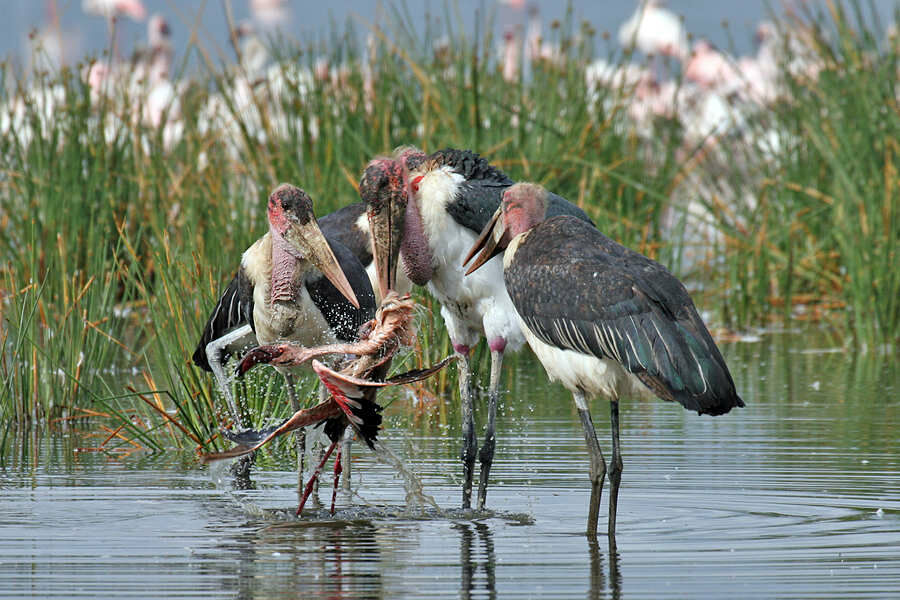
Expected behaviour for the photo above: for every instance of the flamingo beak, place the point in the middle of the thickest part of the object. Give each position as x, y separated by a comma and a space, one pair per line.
309, 239
492, 241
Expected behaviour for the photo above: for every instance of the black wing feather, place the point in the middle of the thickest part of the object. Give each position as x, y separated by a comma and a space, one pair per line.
343, 317
470, 165
342, 226
234, 309
577, 289
476, 203
483, 189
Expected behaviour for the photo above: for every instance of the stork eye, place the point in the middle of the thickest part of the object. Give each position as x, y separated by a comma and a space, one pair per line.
414, 184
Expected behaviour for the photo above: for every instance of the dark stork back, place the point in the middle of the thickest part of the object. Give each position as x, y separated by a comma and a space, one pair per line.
577, 289
342, 226
483, 189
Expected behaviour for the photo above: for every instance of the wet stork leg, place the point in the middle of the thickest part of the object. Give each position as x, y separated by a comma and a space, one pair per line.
615, 467
470, 446
345, 457
238, 340
486, 454
299, 435
598, 464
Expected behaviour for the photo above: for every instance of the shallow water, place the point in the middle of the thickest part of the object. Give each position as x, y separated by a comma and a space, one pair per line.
795, 496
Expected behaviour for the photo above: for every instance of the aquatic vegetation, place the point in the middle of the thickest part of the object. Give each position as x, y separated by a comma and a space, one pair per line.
118, 230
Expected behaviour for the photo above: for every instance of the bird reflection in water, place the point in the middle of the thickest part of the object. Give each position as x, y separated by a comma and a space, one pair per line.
472, 558
332, 560
598, 587
478, 561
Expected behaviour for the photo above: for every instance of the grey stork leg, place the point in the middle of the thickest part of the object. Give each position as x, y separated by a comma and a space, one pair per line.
486, 454
615, 467
300, 434
470, 446
237, 340
240, 338
598, 464
346, 442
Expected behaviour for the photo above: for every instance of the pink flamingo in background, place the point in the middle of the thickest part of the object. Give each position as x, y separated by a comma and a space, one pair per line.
111, 10
269, 13
709, 68
655, 30
510, 55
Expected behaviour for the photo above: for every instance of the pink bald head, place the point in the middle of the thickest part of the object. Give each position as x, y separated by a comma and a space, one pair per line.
524, 206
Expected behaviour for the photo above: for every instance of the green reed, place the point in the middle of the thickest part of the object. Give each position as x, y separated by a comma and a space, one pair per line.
116, 244
820, 239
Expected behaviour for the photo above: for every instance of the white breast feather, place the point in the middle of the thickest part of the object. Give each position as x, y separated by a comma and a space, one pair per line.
362, 223
257, 261
472, 304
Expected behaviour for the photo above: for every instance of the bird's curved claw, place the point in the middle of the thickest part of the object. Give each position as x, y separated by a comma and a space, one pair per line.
260, 354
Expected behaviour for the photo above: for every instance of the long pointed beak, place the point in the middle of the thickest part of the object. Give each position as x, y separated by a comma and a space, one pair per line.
314, 247
488, 242
386, 225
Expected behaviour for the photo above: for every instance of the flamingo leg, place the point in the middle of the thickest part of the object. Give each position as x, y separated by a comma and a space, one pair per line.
338, 468
315, 476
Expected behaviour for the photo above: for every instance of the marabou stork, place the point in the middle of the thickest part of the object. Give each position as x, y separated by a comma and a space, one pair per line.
452, 195
603, 320
294, 284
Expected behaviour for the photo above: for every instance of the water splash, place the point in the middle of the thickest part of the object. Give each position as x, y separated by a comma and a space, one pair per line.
220, 474
416, 498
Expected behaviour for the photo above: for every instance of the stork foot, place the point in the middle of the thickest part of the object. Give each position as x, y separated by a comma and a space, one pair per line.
240, 469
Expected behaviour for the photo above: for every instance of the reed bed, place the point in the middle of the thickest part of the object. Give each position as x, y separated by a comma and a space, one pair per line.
118, 236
